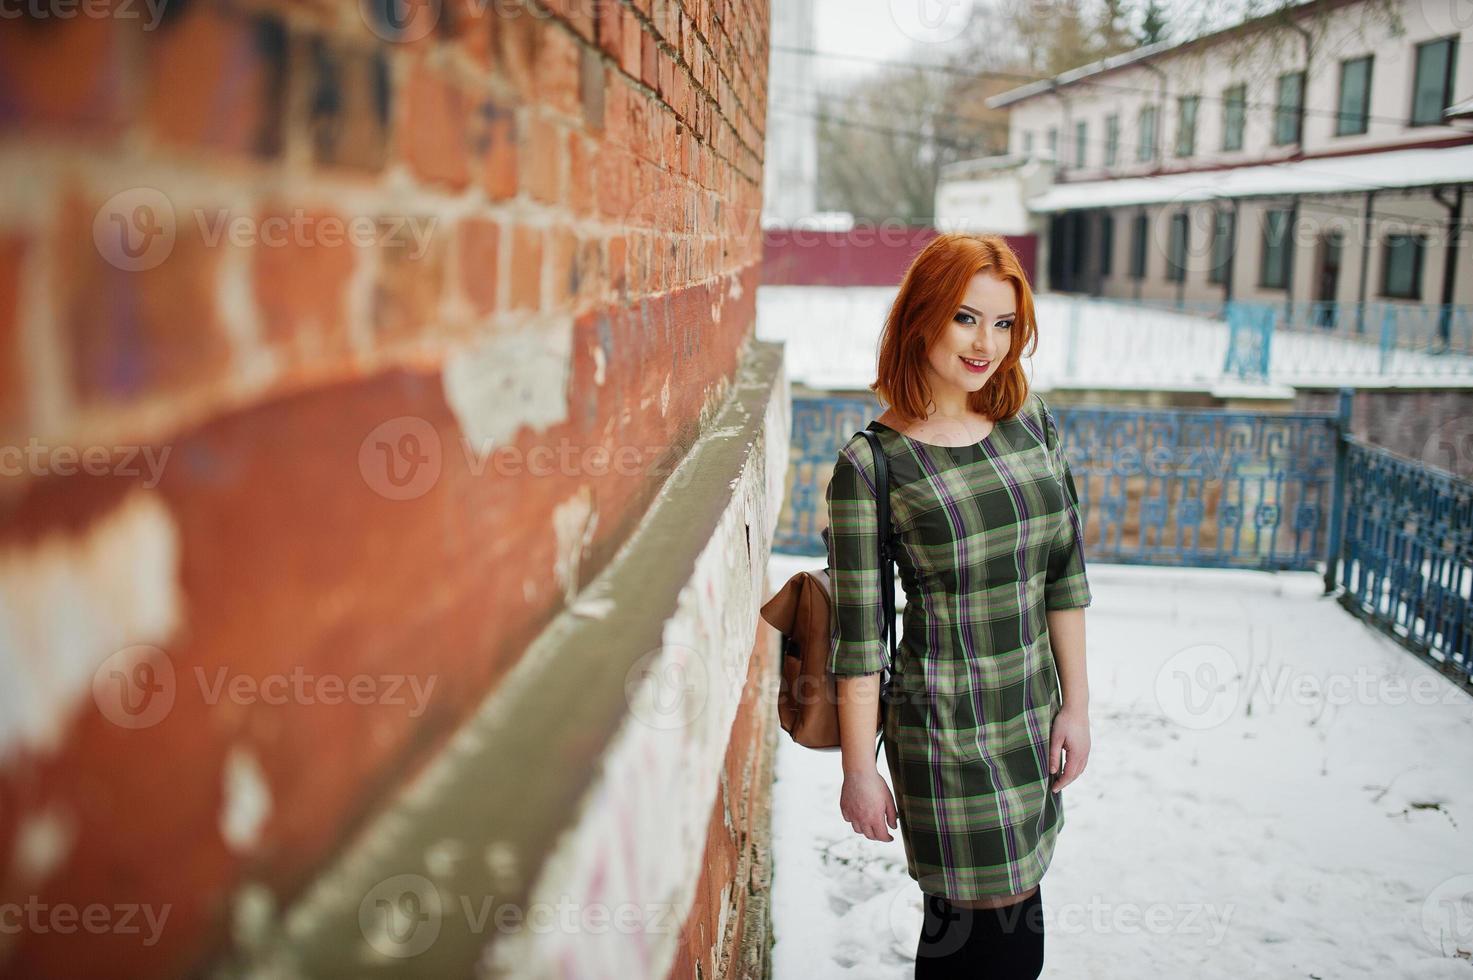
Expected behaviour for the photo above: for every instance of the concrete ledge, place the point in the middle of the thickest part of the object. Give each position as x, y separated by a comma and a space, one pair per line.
578, 784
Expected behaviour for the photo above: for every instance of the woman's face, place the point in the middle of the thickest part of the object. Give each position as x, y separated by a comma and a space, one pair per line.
980, 331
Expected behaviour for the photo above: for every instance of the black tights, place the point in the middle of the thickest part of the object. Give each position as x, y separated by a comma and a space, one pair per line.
1004, 943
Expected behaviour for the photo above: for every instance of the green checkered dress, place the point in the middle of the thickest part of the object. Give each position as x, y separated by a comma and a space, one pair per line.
988, 541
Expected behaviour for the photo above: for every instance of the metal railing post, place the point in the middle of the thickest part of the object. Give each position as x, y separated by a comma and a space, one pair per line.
1337, 495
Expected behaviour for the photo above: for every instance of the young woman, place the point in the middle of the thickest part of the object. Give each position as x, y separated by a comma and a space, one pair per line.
988, 713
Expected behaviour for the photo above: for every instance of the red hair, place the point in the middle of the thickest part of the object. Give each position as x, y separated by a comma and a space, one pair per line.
929, 297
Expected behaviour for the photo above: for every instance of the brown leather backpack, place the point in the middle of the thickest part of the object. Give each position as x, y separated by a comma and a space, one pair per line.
803, 612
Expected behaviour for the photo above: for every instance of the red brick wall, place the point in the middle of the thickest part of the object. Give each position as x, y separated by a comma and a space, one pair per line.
522, 227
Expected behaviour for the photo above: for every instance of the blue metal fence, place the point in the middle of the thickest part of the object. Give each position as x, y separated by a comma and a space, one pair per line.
1407, 557
1224, 489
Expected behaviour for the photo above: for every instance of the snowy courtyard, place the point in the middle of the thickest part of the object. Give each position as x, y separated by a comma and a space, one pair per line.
1274, 789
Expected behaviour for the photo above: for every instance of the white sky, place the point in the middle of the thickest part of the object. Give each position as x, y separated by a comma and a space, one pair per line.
905, 29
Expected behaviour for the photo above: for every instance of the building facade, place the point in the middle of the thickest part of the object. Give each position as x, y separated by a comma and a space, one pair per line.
1307, 157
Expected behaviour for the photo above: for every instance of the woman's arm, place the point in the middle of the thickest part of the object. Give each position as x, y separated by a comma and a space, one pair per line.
865, 800
1066, 595
859, 641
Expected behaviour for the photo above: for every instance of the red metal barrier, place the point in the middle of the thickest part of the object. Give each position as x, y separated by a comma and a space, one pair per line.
863, 256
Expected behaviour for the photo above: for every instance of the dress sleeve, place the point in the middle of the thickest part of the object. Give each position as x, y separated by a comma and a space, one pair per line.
1066, 584
858, 639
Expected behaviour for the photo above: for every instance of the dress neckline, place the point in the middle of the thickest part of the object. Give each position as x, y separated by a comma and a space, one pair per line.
997, 424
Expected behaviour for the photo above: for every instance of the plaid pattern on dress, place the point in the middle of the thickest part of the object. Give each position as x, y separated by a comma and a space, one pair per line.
988, 540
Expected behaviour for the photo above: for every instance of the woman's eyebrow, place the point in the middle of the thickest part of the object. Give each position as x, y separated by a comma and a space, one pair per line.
1000, 316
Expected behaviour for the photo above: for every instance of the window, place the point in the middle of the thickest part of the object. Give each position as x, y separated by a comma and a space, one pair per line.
1234, 111
1107, 243
1080, 133
1146, 148
1138, 247
1433, 86
1186, 126
1289, 109
1053, 142
1222, 247
1276, 254
1028, 144
1112, 140
1176, 261
1355, 96
1401, 273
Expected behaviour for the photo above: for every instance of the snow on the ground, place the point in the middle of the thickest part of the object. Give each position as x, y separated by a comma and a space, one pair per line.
1274, 789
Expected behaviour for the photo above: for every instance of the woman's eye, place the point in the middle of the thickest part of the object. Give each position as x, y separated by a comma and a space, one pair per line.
964, 318
1005, 324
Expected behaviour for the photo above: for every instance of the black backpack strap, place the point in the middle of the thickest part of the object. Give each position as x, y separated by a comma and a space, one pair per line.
887, 558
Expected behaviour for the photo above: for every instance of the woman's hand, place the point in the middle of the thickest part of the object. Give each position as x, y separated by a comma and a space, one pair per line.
1071, 737
867, 804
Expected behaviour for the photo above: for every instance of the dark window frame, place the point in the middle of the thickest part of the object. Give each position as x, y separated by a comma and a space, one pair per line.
1145, 144
1419, 255
1112, 139
1178, 247
1186, 147
1269, 275
1081, 142
1234, 116
1107, 243
1449, 77
1286, 117
1357, 123
1222, 250
1139, 254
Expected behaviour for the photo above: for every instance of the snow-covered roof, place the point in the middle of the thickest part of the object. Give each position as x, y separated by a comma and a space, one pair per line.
1322, 175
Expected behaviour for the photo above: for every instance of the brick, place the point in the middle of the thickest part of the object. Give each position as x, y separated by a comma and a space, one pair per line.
580, 170
542, 164
348, 98
436, 119
579, 14
618, 265
611, 29
133, 333
301, 280
62, 75
526, 268
234, 98
518, 40
495, 142
558, 73
562, 249
650, 57
410, 282
632, 50
591, 89
479, 244
13, 250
